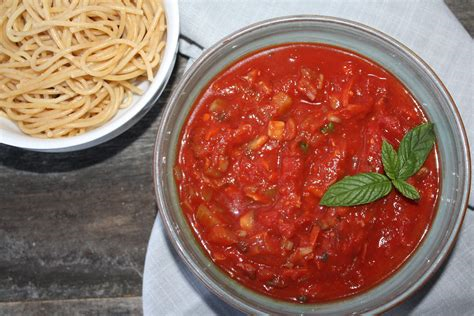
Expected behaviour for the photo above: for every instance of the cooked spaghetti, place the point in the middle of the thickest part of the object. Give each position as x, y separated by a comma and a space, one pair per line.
68, 66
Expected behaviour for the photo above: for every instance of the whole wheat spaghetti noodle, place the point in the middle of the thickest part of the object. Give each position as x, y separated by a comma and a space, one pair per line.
68, 66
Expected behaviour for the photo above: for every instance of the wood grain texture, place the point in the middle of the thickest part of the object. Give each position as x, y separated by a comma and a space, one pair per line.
123, 306
464, 11
76, 225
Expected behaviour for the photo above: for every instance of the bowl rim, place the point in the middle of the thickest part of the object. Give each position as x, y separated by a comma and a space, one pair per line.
116, 125
159, 196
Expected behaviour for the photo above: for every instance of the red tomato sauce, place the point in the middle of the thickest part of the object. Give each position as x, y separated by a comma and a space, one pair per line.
263, 142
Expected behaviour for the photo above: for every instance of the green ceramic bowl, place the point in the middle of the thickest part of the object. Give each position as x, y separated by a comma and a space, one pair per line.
393, 56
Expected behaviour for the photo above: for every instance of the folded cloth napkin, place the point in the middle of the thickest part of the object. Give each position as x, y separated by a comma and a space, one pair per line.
428, 28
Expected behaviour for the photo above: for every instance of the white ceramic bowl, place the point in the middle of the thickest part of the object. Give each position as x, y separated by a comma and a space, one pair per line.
11, 135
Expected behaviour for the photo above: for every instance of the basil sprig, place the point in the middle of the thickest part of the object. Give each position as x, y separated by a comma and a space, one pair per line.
364, 188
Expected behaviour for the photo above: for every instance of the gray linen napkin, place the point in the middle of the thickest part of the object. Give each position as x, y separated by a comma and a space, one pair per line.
428, 28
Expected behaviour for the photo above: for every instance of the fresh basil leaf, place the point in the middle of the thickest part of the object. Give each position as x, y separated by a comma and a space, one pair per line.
390, 160
359, 189
406, 189
414, 148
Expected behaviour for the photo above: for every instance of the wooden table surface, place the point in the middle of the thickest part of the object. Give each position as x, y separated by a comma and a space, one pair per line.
74, 227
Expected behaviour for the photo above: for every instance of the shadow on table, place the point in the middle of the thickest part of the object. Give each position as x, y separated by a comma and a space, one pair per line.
38, 162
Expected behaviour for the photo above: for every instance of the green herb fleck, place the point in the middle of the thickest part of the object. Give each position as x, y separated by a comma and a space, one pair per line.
302, 299
324, 257
328, 128
364, 188
304, 146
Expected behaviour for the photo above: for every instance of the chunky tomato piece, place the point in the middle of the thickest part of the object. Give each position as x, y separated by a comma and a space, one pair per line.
265, 140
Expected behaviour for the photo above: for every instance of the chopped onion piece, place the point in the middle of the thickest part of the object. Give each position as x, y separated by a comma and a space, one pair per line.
258, 142
247, 221
276, 129
282, 102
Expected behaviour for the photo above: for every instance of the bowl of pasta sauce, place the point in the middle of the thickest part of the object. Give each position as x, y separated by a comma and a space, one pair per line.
311, 165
